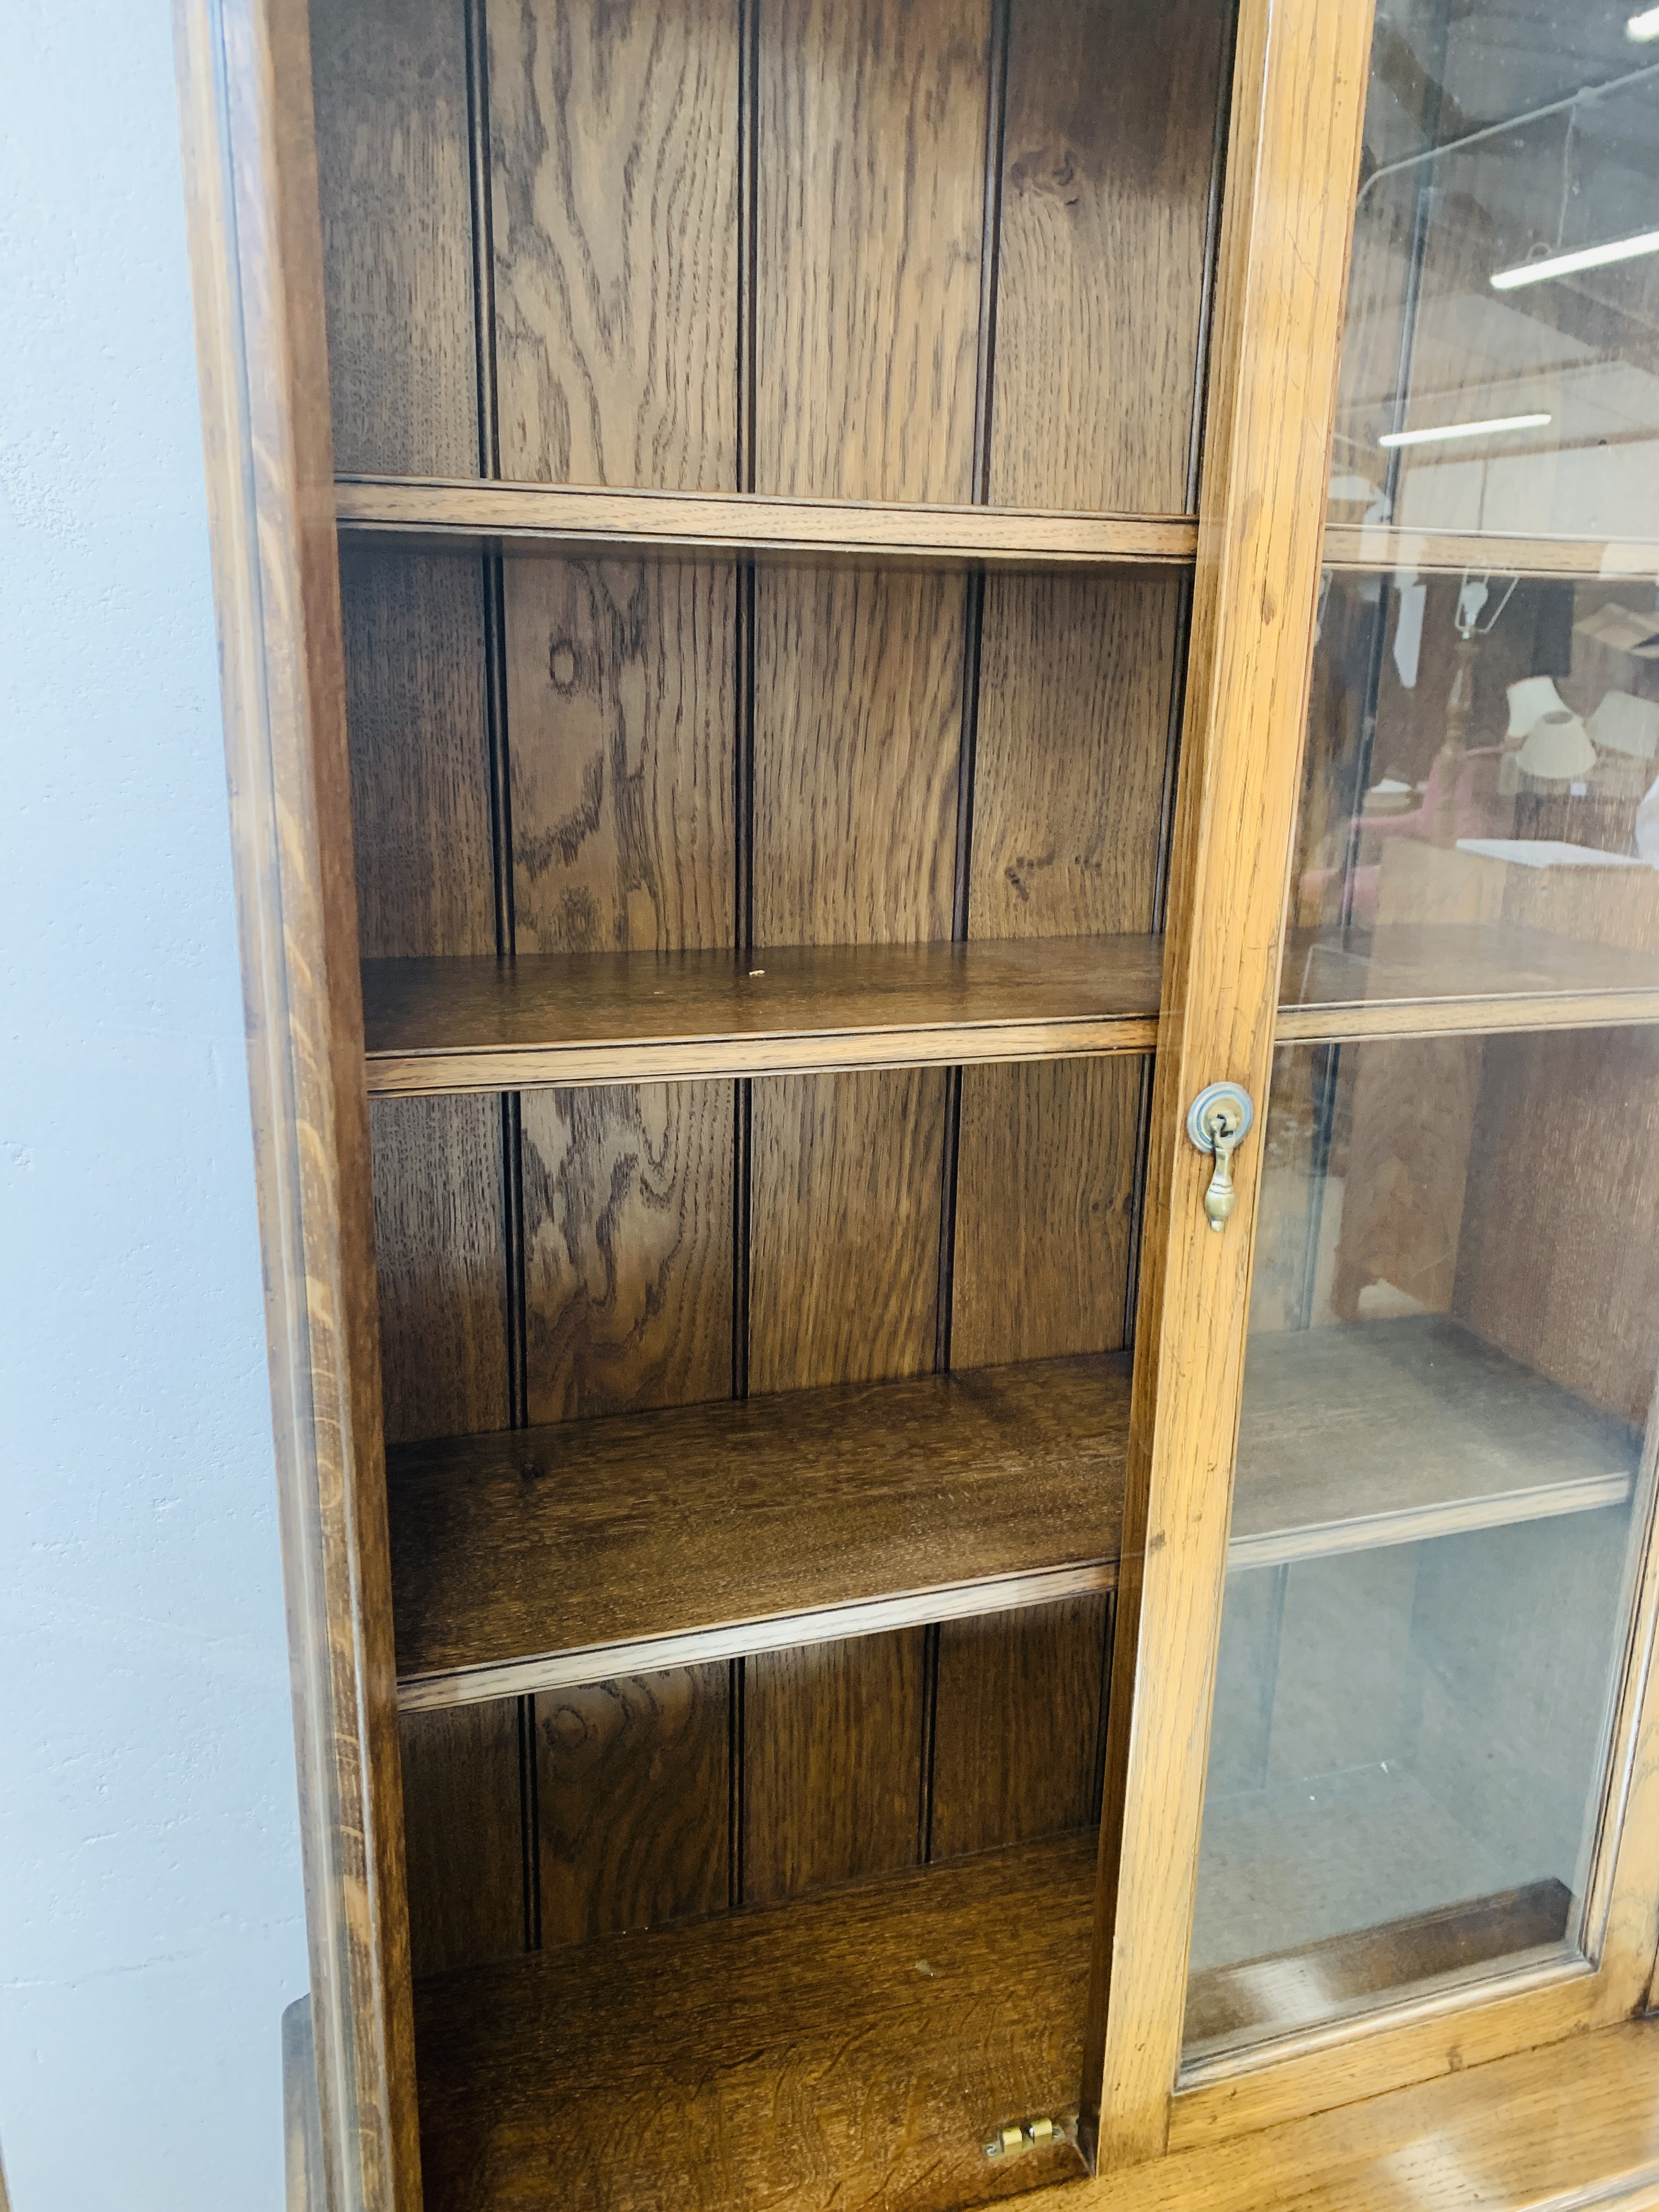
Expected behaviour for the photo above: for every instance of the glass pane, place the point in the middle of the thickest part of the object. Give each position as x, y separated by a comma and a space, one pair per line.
1453, 1335
1480, 813
1480, 799
1502, 339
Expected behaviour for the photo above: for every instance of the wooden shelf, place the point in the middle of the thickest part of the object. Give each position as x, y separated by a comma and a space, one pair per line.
694, 525
484, 1025
858, 2048
539, 1558
1383, 1432
1449, 552
1450, 978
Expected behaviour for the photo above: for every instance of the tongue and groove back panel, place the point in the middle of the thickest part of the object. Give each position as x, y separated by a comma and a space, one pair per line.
948, 251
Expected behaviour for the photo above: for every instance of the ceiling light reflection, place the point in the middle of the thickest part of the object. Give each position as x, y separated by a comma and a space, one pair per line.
1486, 429
1585, 257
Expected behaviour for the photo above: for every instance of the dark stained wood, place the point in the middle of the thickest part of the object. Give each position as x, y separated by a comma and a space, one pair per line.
622, 715
414, 640
871, 149
844, 1258
464, 1025
1069, 770
1016, 1742
859, 2048
464, 1836
420, 795
243, 68
1109, 147
857, 720
632, 1798
614, 145
531, 518
870, 152
1348, 1432
392, 144
832, 1764
557, 1539
621, 704
1045, 1185
1558, 1266
441, 1265
398, 231
1262, 1997
628, 1248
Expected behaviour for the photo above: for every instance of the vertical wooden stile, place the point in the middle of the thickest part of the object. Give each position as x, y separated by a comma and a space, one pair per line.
244, 75
1298, 100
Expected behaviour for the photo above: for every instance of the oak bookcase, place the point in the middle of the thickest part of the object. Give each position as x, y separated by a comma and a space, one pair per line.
789, 703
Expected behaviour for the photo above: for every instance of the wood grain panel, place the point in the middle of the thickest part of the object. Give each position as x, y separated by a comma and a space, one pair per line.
858, 719
844, 1271
632, 1802
620, 703
414, 634
614, 143
832, 1764
1107, 151
442, 1277
857, 734
442, 1266
846, 1182
1016, 1742
870, 151
1069, 768
1559, 1263
1068, 802
464, 1836
1045, 1192
420, 794
853, 2050
627, 1247
404, 393
393, 157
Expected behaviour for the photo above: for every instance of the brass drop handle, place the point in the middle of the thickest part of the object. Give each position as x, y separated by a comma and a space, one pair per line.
1217, 1122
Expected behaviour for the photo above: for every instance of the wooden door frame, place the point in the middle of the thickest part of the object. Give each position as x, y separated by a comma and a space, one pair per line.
1299, 90
243, 77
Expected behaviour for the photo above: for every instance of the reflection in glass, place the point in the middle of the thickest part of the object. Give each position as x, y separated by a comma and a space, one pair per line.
1481, 801
1483, 765
1454, 1331
1501, 363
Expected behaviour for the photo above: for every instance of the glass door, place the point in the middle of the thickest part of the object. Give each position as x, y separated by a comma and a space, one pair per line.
1426, 1674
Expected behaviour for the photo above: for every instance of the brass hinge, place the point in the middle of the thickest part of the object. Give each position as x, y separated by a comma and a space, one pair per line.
1031, 2134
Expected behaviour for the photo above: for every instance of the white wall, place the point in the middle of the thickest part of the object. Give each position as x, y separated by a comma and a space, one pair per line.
151, 1912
